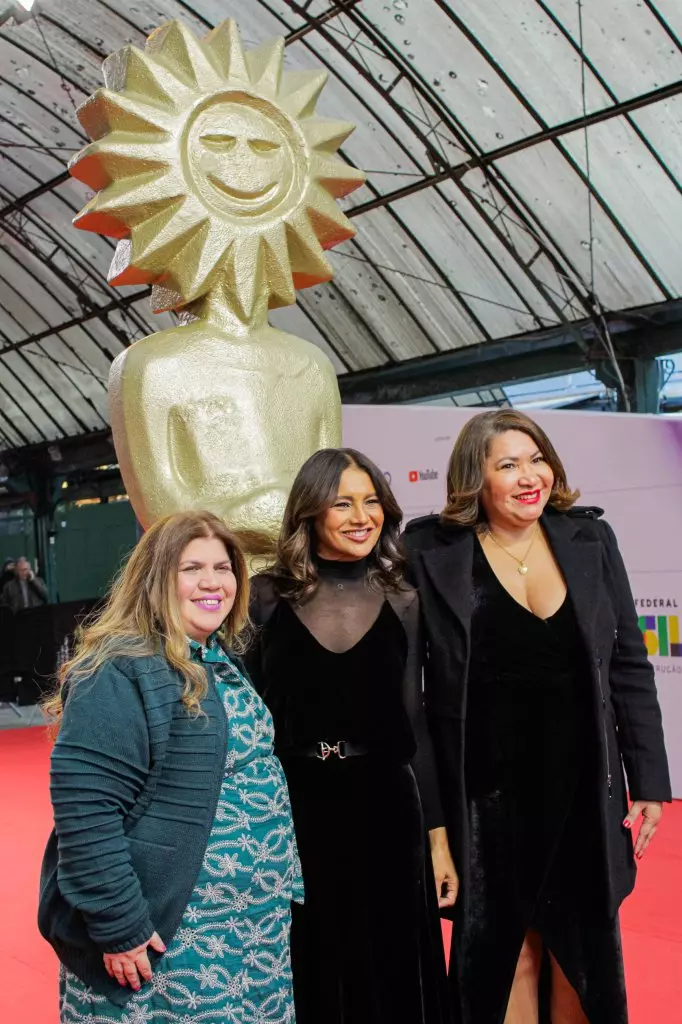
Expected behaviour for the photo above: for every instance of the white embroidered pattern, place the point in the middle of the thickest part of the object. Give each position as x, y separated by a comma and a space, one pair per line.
228, 962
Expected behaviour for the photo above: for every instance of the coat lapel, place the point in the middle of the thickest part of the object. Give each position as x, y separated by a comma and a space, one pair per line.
450, 568
580, 560
450, 565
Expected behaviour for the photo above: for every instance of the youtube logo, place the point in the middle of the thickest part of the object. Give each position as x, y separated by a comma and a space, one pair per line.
415, 475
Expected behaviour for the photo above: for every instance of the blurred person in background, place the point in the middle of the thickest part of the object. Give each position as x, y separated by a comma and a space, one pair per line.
26, 590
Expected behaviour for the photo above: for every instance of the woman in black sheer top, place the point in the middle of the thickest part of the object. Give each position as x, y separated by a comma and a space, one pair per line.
336, 657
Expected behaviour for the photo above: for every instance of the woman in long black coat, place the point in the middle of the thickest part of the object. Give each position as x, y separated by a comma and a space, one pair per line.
538, 690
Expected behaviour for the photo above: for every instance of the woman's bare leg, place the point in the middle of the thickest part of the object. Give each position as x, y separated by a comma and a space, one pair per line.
523, 1002
566, 1008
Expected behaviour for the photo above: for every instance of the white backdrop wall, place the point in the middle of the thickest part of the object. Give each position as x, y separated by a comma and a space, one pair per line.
631, 466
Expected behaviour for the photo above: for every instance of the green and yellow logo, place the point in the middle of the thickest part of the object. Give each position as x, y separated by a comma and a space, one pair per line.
661, 635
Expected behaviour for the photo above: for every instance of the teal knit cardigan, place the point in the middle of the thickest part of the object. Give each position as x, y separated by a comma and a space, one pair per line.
135, 782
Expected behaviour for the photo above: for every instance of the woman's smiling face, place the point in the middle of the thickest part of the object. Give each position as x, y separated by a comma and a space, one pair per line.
206, 587
517, 480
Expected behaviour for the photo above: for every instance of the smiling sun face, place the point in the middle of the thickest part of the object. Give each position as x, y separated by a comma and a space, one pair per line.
212, 169
244, 156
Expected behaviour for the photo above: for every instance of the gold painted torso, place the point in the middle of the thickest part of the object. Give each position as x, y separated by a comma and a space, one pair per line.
204, 419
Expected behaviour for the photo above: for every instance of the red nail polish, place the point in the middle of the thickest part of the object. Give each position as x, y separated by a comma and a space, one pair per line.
626, 824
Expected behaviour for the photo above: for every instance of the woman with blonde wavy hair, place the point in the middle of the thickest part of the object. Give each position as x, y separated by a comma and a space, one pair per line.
167, 882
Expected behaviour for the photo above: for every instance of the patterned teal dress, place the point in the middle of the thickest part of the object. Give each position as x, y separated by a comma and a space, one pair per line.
228, 962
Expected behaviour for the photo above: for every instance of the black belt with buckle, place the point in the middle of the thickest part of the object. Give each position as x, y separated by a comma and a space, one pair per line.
323, 750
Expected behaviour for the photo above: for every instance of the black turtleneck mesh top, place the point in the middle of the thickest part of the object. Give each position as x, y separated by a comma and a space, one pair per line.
345, 664
343, 607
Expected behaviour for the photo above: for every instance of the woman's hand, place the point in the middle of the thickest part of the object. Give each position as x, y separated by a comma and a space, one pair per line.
447, 882
129, 967
651, 815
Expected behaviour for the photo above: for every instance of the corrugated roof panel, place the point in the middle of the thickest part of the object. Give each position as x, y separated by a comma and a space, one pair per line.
52, 299
507, 244
671, 13
423, 283
506, 248
344, 330
560, 200
460, 78
660, 125
36, 396
374, 296
71, 379
637, 191
465, 261
295, 320
526, 43
626, 42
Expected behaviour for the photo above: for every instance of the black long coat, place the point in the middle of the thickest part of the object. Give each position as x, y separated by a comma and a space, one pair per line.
625, 702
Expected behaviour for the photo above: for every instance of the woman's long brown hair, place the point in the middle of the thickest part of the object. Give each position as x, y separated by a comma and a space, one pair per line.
467, 465
142, 613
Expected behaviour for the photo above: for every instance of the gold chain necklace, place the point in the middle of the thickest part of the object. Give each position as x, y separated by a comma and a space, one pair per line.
521, 568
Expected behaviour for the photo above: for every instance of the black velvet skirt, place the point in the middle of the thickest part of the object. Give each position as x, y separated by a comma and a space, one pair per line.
517, 885
366, 945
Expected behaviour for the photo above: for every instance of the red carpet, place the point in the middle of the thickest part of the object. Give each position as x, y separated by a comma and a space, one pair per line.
652, 918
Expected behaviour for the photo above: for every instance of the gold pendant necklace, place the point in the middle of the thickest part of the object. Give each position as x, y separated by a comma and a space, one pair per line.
521, 568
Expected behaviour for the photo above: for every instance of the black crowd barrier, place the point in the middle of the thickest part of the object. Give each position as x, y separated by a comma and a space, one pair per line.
33, 644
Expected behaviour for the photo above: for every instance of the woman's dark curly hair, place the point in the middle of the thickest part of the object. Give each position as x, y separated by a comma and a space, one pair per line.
315, 490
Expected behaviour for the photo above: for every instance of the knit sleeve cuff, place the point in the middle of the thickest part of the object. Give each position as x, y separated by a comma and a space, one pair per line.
132, 941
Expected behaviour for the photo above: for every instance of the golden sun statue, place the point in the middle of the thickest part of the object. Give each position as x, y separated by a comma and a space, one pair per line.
220, 181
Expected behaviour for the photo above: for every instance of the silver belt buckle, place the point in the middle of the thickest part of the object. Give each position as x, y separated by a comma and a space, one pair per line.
326, 750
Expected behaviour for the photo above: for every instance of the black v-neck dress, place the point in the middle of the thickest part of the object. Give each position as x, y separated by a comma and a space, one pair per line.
366, 945
533, 814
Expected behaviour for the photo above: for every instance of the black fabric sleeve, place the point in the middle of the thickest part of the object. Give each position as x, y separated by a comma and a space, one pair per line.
633, 689
99, 766
423, 763
262, 604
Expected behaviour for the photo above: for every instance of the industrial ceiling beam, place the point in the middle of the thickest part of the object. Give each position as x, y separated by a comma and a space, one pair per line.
537, 138
98, 313
647, 333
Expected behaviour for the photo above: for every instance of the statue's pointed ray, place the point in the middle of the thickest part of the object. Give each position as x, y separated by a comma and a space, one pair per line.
337, 177
265, 66
326, 136
224, 46
200, 266
108, 111
309, 265
156, 242
277, 266
131, 71
117, 158
328, 220
244, 276
300, 91
178, 50
123, 205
